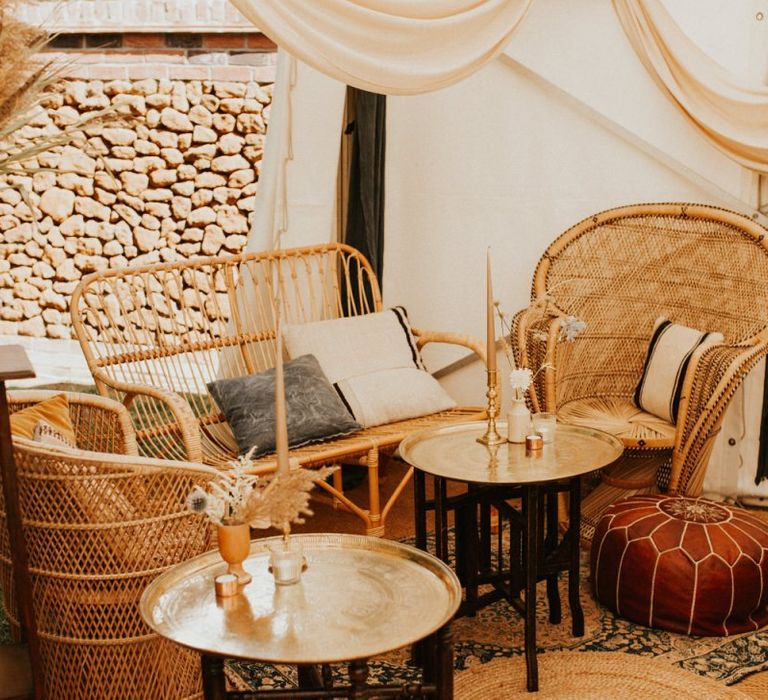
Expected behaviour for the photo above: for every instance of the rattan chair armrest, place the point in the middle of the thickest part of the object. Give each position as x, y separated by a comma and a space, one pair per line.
100, 423
134, 463
709, 384
424, 337
185, 422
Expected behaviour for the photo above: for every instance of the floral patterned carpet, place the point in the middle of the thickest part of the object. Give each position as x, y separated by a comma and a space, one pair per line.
497, 632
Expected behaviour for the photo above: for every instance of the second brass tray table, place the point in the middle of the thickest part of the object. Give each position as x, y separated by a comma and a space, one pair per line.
492, 475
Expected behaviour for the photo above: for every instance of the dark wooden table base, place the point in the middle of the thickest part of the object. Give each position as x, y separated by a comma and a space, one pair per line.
533, 550
434, 654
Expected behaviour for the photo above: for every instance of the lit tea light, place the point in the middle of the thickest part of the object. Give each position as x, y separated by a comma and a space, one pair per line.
533, 443
225, 585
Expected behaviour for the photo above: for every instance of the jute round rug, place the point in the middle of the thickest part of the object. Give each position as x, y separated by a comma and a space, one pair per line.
589, 676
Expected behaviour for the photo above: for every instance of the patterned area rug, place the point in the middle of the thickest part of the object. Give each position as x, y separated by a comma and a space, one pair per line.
497, 633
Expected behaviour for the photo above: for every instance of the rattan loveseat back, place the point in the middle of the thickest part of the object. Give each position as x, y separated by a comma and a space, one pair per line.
619, 270
98, 528
155, 336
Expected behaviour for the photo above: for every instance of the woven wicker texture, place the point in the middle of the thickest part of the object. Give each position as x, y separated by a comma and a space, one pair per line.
619, 270
159, 334
589, 676
99, 528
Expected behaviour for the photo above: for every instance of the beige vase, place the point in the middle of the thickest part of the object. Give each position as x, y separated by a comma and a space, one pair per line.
234, 547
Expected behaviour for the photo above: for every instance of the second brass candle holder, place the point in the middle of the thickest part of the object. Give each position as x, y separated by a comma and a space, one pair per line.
491, 435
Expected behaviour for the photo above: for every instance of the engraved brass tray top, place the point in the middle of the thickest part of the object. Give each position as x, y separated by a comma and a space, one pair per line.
452, 452
360, 596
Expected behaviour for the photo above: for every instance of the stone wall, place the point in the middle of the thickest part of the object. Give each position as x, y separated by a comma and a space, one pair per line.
177, 182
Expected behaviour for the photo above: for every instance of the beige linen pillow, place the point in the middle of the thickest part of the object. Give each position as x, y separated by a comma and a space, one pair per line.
374, 364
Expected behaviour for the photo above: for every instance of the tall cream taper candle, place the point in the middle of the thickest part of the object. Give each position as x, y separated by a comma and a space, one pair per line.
281, 420
491, 330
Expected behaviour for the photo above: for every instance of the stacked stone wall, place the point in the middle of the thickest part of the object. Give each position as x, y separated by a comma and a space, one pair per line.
176, 182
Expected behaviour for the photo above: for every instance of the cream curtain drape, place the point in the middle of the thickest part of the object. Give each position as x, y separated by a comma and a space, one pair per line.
396, 47
732, 114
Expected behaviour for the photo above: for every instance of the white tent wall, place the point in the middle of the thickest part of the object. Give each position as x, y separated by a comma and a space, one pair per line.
566, 123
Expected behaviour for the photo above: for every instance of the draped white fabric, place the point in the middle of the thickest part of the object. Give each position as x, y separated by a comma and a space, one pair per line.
295, 202
731, 113
389, 46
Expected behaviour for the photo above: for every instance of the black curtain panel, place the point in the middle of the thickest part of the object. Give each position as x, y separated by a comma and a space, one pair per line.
762, 456
365, 214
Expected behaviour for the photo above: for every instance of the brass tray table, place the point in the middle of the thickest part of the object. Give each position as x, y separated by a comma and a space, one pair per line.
359, 597
493, 475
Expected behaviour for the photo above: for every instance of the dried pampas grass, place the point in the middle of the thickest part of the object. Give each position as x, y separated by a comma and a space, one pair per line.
27, 79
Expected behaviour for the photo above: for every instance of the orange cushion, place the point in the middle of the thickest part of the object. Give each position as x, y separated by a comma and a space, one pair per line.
54, 411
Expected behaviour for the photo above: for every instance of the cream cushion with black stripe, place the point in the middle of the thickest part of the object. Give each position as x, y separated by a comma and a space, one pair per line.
374, 364
669, 354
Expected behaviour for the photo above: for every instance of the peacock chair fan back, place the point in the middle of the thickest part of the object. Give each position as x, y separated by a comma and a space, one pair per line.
178, 328
619, 270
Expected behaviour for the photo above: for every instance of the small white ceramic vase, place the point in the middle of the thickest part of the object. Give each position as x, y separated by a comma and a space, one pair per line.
518, 421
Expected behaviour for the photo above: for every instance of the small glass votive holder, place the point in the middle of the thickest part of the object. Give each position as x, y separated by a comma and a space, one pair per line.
545, 424
286, 561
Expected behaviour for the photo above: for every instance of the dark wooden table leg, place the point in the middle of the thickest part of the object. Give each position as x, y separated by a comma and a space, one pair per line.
441, 520
485, 535
214, 685
310, 676
550, 545
467, 554
427, 658
358, 679
531, 558
444, 653
420, 508
574, 601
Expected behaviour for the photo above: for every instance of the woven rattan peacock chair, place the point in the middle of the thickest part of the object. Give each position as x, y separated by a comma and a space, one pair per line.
99, 527
619, 270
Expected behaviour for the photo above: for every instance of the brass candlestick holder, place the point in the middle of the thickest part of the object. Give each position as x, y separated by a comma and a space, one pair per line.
491, 436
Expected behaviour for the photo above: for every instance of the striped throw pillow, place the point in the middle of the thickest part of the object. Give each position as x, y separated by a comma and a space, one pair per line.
374, 364
666, 363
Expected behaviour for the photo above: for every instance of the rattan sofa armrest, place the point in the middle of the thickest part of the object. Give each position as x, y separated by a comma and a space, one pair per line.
184, 425
709, 385
424, 337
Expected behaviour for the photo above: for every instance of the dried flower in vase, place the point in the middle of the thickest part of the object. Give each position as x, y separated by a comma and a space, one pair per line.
274, 500
570, 327
286, 499
227, 500
520, 380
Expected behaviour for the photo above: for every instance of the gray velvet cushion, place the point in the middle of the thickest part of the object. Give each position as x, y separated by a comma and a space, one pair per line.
315, 411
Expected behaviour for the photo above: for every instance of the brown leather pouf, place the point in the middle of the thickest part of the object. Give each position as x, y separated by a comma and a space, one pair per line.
682, 564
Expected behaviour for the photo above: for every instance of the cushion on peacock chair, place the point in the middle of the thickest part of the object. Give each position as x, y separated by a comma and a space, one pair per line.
686, 565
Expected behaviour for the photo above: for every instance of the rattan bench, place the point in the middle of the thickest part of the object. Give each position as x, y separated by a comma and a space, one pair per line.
154, 336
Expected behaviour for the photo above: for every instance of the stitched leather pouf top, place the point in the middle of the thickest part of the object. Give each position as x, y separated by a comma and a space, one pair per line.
686, 565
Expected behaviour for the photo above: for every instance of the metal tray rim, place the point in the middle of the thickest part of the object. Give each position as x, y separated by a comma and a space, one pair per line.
316, 541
